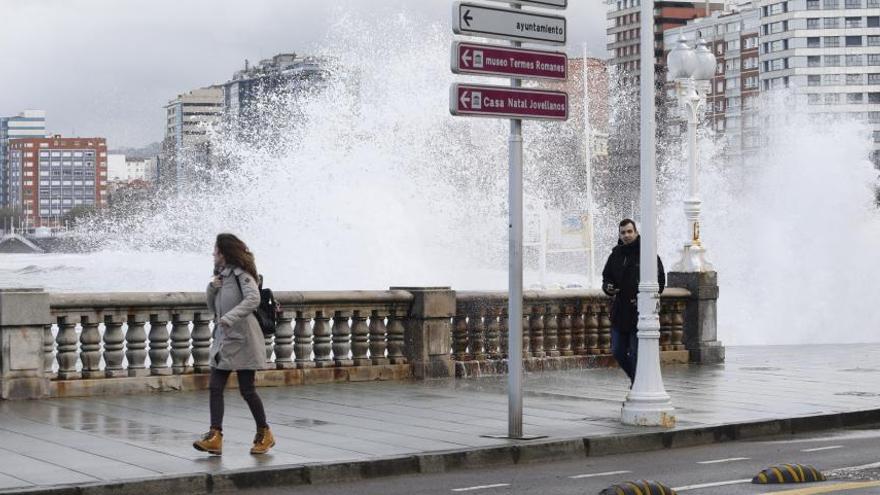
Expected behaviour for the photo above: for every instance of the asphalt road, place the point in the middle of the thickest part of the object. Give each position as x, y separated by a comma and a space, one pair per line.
724, 468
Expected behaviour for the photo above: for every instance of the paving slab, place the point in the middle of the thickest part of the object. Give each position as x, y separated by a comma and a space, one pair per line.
374, 428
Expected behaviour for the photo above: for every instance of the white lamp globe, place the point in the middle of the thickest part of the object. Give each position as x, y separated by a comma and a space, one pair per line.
681, 61
705, 62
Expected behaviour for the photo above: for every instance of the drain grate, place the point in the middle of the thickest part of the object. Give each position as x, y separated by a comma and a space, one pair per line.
306, 423
859, 394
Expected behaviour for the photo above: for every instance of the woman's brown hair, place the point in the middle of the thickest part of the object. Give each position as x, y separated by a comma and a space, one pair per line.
236, 253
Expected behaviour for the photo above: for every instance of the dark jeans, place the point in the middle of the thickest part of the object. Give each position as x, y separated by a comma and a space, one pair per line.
625, 347
248, 392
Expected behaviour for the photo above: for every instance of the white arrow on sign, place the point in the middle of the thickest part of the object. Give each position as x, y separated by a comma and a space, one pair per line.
466, 58
508, 24
550, 4
465, 96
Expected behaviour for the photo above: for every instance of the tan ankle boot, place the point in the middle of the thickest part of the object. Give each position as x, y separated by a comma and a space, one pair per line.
211, 442
263, 441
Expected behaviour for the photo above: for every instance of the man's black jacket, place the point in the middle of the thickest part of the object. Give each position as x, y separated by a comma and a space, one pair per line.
622, 270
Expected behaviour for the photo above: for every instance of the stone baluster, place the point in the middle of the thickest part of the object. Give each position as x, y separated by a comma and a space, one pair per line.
504, 331
493, 329
269, 345
677, 323
578, 330
66, 342
604, 330
342, 339
564, 321
551, 331
48, 351
302, 340
136, 346
591, 324
322, 337
159, 345
180, 344
360, 339
114, 347
526, 334
665, 328
395, 337
460, 335
284, 341
201, 343
476, 332
536, 332
378, 338
90, 347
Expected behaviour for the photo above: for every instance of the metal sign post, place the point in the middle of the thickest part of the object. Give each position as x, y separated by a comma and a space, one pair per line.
550, 4
515, 103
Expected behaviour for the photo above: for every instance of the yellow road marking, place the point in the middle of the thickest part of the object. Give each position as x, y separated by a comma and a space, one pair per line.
840, 487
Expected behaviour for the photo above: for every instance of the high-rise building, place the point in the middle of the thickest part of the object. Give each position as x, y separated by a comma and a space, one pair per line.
48, 177
624, 28
186, 145
731, 104
829, 52
251, 89
27, 124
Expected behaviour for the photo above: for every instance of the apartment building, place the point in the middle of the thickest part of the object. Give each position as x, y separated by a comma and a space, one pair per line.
50, 176
27, 124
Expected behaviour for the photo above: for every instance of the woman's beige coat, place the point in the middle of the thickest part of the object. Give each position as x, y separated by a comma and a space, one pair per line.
238, 341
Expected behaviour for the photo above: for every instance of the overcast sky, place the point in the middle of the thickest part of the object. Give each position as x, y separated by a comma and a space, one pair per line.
107, 67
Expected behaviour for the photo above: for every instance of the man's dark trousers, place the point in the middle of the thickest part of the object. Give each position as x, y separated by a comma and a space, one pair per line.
625, 347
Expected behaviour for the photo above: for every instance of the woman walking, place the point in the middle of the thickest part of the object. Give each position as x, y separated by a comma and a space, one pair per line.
238, 344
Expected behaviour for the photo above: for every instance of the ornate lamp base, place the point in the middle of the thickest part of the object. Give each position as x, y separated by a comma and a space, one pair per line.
693, 259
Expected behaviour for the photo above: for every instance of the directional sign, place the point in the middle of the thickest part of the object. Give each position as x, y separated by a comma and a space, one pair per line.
516, 103
495, 60
508, 24
550, 4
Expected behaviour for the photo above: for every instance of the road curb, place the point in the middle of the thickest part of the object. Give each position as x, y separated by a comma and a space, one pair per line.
438, 462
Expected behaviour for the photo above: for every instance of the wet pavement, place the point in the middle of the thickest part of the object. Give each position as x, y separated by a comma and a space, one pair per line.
74, 441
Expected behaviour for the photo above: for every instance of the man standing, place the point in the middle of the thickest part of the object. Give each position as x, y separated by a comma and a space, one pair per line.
620, 280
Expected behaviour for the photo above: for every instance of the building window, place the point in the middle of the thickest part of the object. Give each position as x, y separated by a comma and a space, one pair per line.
873, 21
873, 97
831, 4
832, 98
832, 22
751, 82
853, 4
853, 41
814, 80
873, 4
813, 61
831, 41
855, 60
855, 79
832, 60
814, 5
814, 23
814, 42
854, 98
733, 45
832, 79
874, 59
851, 22
778, 64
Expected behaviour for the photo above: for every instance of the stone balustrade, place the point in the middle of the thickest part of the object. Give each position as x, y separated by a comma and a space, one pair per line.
561, 329
60, 345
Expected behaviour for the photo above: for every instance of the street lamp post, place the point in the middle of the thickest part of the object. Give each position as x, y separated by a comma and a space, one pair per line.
692, 71
647, 404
